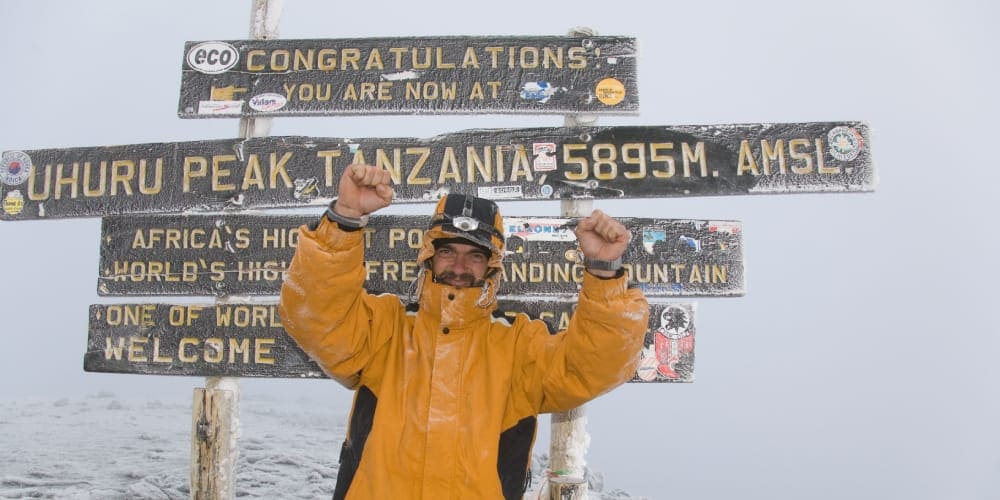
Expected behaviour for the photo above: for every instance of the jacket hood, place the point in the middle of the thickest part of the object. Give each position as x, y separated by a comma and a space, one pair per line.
475, 220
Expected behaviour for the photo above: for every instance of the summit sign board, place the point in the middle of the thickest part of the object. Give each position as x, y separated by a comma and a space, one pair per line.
433, 75
500, 164
247, 254
248, 339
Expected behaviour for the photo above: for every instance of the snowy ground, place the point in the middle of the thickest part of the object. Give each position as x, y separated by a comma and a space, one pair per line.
102, 447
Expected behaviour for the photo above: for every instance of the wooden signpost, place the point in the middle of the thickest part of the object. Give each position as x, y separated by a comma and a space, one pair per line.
504, 164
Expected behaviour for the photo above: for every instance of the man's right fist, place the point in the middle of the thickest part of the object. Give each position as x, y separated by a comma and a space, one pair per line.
363, 189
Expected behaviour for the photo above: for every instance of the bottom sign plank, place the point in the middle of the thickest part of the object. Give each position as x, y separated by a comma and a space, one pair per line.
248, 340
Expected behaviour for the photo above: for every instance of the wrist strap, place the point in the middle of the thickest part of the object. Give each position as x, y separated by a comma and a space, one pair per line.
343, 221
602, 265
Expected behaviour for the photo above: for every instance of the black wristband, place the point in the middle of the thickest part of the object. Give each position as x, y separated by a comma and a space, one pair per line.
348, 223
602, 265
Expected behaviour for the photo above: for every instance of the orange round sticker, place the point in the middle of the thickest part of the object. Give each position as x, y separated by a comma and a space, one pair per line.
610, 91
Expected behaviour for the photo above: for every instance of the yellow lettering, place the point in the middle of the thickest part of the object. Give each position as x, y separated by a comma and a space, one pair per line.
262, 350
136, 346
769, 154
807, 164
252, 175
746, 162
214, 350
470, 59
449, 167
374, 60
194, 166
820, 165
218, 173
414, 177
252, 55
328, 157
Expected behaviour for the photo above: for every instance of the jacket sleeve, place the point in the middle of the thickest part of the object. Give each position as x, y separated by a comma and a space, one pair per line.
597, 352
324, 306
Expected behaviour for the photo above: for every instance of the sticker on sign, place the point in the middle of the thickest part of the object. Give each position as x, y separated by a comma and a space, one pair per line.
212, 58
538, 229
220, 107
269, 101
500, 192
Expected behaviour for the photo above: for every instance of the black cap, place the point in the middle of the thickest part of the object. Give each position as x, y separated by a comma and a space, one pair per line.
474, 219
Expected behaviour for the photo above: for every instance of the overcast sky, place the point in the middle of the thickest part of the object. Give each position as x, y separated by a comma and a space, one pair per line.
862, 362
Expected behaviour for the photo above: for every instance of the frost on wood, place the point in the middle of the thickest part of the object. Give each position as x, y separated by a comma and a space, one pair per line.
264, 19
570, 441
213, 443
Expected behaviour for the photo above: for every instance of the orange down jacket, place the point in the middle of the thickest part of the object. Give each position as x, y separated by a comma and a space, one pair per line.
447, 393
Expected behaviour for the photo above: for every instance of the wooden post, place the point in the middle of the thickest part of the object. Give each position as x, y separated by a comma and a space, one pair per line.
569, 438
216, 415
212, 464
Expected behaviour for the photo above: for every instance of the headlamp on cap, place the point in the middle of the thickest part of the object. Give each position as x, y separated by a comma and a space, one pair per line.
466, 224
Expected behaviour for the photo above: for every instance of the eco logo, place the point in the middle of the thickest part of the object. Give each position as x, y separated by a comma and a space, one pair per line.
212, 58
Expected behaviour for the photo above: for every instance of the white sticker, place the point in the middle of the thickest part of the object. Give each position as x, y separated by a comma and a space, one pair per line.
267, 102
15, 167
500, 192
537, 229
545, 156
646, 370
724, 226
845, 143
539, 91
220, 107
212, 58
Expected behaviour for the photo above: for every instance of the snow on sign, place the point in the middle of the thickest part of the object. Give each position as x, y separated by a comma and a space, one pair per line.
244, 254
435, 75
248, 340
502, 164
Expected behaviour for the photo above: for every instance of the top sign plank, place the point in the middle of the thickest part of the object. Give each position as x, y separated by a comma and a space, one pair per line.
432, 75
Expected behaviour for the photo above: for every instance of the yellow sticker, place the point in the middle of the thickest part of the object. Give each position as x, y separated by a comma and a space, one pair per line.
610, 91
13, 203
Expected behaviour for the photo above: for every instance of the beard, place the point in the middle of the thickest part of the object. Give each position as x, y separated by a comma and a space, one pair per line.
463, 280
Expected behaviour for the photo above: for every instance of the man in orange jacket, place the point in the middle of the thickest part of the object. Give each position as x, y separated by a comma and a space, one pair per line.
447, 389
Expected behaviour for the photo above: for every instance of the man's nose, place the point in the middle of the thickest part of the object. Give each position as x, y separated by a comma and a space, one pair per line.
460, 264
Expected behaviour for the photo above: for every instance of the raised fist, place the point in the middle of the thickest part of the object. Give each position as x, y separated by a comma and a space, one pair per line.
363, 189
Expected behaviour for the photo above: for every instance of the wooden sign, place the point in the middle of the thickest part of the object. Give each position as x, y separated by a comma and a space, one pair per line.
503, 164
248, 340
436, 75
242, 254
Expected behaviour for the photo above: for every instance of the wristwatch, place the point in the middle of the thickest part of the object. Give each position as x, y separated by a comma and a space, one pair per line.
343, 221
602, 265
